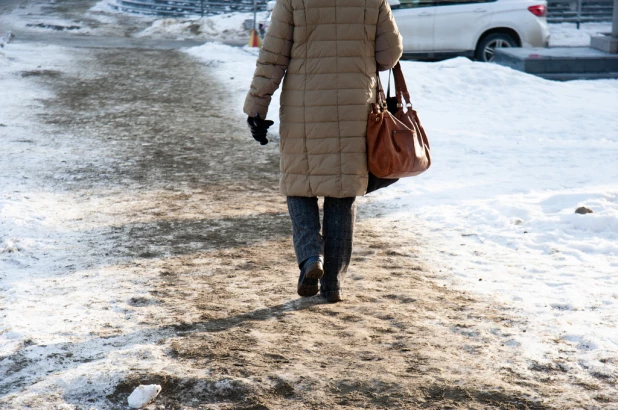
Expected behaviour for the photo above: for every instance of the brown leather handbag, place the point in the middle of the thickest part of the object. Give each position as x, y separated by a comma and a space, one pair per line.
397, 145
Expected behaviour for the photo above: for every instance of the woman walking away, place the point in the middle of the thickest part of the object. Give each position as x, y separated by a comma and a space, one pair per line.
327, 52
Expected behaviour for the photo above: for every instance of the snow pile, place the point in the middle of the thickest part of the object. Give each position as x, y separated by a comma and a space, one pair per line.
223, 27
514, 156
33, 17
54, 24
6, 38
105, 6
567, 34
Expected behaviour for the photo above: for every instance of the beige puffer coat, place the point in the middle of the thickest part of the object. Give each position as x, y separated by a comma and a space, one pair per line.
329, 51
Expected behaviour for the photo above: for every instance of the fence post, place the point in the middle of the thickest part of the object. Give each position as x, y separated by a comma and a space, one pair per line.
202, 8
254, 15
615, 21
579, 13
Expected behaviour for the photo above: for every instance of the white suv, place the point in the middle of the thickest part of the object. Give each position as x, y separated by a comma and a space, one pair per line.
472, 28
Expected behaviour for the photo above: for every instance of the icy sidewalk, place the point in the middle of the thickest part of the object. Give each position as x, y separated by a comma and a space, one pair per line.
514, 156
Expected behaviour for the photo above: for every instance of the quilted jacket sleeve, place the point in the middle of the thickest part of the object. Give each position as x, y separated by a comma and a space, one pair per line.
272, 61
388, 40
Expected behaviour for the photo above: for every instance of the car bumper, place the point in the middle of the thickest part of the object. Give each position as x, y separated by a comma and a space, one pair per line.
537, 34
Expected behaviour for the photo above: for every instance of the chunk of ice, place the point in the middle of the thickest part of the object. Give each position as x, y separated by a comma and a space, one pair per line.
143, 395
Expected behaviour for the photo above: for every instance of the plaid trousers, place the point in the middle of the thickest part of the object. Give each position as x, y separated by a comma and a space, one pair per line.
335, 242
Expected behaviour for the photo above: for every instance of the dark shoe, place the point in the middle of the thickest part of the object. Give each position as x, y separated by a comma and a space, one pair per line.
311, 271
332, 296
330, 289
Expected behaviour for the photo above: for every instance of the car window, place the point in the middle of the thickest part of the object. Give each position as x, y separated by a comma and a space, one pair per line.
409, 4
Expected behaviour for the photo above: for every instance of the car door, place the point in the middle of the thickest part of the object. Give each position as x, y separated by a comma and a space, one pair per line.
415, 21
458, 23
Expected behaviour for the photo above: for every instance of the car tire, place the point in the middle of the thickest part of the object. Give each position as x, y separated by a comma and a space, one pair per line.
487, 45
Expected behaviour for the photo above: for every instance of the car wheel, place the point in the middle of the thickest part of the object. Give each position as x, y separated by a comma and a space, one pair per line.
487, 46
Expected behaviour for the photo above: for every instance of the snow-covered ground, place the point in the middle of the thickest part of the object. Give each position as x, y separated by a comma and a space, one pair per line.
513, 157
58, 302
33, 252
568, 35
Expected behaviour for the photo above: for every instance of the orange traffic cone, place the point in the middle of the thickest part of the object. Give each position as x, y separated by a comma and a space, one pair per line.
255, 40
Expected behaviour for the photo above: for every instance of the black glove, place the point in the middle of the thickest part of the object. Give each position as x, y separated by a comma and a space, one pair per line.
259, 128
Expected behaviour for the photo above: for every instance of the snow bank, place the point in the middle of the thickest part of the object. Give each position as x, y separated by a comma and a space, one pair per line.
223, 27
105, 6
567, 34
514, 156
32, 17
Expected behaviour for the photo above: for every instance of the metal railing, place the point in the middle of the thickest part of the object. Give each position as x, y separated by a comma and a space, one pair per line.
576, 11
579, 11
180, 8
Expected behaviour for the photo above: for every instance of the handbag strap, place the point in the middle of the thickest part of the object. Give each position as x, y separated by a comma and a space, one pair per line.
380, 98
388, 87
400, 85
